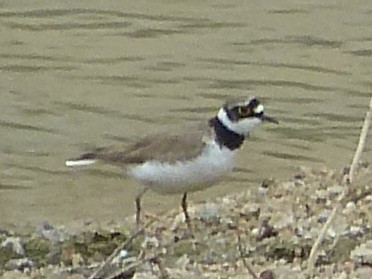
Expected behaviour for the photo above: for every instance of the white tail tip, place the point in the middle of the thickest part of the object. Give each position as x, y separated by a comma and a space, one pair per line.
76, 163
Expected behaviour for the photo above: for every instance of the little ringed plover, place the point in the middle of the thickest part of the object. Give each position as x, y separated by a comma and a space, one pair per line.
189, 161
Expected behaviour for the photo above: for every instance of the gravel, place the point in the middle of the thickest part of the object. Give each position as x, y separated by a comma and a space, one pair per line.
277, 221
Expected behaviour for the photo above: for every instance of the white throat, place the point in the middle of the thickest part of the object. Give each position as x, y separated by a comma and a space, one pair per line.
242, 127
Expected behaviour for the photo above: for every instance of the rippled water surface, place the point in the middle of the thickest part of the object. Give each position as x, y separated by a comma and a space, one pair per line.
94, 73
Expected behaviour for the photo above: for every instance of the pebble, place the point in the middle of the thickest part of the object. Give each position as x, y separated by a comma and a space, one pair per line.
335, 190
54, 255
363, 273
14, 243
66, 275
53, 236
331, 233
251, 211
120, 257
210, 212
266, 231
363, 253
349, 208
77, 260
323, 216
182, 262
286, 220
177, 220
255, 231
288, 185
76, 276
267, 274
261, 192
14, 274
267, 182
18, 264
299, 183
355, 231
150, 242
284, 272
303, 171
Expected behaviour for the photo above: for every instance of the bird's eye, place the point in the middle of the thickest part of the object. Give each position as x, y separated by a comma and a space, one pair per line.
244, 111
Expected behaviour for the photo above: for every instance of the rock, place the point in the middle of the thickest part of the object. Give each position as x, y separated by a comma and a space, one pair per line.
15, 244
19, 264
363, 253
267, 274
288, 185
363, 273
210, 212
65, 275
150, 242
77, 260
285, 220
255, 232
299, 183
261, 192
54, 255
182, 262
284, 272
335, 190
355, 231
268, 182
5, 232
76, 276
321, 196
120, 257
66, 256
266, 231
14, 274
47, 231
44, 226
251, 211
349, 208
303, 172
144, 275
331, 233
97, 257
323, 216
177, 220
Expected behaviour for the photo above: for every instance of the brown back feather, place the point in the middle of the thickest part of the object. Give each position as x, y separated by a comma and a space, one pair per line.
163, 147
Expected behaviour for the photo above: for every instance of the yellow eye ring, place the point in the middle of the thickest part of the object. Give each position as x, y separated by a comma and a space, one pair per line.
244, 111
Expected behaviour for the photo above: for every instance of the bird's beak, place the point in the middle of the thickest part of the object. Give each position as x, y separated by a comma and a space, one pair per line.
265, 117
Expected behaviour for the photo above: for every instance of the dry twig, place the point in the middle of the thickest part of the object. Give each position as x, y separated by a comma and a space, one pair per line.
130, 269
344, 194
247, 265
108, 261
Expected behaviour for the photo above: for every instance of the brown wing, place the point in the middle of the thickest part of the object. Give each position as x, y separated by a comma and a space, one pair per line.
162, 147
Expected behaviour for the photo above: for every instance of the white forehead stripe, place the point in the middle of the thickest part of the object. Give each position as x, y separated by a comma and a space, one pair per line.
259, 109
242, 127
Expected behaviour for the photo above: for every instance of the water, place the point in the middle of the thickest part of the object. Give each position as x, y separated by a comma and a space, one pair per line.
88, 73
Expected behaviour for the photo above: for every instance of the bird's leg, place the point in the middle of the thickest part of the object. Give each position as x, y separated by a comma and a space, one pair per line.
138, 208
186, 213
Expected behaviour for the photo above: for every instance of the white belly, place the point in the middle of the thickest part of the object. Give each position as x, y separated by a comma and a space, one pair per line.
181, 177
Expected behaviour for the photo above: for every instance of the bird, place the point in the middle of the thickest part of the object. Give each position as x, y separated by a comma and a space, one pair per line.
189, 160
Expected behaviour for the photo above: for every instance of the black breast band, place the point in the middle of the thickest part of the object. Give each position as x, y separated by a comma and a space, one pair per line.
225, 136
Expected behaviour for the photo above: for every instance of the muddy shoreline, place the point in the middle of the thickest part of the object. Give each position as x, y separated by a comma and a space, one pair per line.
277, 222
